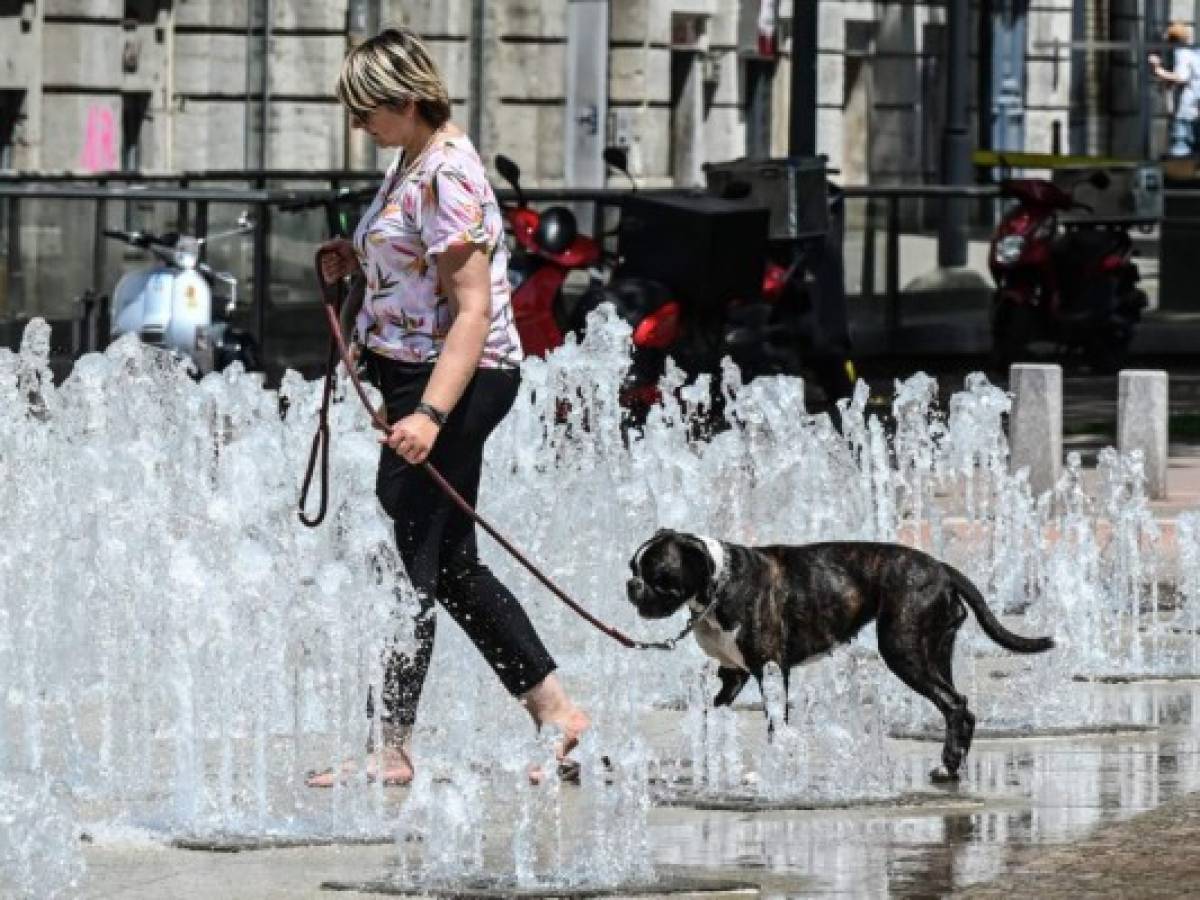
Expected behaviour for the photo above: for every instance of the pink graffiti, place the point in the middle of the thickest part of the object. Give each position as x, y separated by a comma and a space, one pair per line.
99, 141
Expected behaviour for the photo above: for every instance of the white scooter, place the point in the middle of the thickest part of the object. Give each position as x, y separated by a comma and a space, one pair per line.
168, 303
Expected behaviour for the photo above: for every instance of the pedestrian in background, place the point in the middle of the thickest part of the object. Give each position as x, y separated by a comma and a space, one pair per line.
1184, 79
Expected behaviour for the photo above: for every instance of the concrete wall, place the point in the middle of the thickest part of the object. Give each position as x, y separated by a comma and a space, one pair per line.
879, 89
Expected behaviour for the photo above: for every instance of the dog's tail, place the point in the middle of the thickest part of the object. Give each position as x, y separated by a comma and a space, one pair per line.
988, 621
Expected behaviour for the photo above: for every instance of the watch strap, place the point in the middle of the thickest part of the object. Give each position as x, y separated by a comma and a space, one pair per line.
432, 412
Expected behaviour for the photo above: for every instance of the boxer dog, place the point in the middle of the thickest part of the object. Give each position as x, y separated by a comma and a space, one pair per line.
790, 604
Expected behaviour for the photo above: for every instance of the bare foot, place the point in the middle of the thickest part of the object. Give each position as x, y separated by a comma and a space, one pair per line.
549, 704
397, 770
572, 726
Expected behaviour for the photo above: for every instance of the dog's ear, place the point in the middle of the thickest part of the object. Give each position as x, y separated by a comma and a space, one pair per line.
635, 560
693, 543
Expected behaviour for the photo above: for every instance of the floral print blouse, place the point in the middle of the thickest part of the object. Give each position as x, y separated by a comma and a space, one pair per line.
443, 201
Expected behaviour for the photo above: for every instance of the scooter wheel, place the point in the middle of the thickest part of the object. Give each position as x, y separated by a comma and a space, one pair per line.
1012, 328
1105, 352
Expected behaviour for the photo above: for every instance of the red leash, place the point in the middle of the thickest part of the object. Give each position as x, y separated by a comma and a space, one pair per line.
332, 297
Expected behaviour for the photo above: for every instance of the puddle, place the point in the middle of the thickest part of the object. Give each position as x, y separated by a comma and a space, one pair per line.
1039, 792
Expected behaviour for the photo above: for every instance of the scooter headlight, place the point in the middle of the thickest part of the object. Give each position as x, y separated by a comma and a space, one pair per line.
187, 253
1009, 249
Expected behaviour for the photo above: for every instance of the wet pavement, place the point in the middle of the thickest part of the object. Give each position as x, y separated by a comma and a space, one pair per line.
1062, 814
1035, 793
1151, 855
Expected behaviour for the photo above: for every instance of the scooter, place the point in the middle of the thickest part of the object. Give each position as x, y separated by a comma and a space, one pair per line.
1073, 284
547, 247
169, 303
774, 322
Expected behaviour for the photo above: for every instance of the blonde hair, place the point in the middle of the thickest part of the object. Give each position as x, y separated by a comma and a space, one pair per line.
391, 68
1179, 33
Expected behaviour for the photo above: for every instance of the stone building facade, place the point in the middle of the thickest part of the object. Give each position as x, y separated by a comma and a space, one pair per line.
175, 85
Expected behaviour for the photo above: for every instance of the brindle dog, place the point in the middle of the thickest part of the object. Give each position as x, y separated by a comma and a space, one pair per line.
788, 604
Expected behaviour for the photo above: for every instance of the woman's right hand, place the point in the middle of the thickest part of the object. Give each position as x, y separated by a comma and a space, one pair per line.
338, 259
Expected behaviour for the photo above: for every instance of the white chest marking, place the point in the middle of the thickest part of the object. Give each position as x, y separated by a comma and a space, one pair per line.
717, 552
721, 645
718, 643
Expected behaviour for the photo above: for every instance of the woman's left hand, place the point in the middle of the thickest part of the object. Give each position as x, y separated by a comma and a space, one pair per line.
412, 437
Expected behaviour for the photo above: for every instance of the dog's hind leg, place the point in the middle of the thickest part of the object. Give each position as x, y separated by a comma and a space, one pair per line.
906, 651
942, 651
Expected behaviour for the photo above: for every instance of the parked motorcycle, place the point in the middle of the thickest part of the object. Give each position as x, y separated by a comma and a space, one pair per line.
547, 248
700, 278
1072, 283
169, 303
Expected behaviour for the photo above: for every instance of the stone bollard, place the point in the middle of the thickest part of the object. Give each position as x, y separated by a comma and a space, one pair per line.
1035, 431
1142, 414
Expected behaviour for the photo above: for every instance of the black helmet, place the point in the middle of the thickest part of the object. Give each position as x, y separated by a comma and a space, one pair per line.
556, 229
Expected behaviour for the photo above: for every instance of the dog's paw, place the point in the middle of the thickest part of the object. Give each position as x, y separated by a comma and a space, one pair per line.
941, 775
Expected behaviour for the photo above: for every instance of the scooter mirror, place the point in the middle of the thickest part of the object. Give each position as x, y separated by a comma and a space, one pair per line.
618, 158
508, 169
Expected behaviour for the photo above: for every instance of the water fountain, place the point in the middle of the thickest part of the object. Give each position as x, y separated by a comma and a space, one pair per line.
176, 649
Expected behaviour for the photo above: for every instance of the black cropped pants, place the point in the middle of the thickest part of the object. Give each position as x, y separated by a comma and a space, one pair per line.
437, 542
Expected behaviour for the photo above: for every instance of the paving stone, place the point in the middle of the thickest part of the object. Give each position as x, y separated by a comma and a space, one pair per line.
748, 804
1148, 678
1004, 734
244, 843
668, 887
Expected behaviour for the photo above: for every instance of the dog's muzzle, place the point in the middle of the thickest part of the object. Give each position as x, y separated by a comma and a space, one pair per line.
650, 604
636, 590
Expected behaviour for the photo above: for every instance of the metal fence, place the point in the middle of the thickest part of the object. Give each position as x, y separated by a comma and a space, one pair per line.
61, 212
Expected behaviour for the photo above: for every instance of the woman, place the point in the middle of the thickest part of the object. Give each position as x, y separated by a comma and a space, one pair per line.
437, 335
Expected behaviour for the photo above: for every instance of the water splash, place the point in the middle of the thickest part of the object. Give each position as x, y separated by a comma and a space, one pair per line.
177, 649
39, 839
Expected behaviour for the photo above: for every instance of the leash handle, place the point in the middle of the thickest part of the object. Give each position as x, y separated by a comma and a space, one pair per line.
331, 297
320, 445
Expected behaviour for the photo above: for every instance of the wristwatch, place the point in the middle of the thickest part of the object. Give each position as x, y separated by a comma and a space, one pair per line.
431, 412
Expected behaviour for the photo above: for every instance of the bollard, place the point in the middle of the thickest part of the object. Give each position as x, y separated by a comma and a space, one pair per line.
1142, 414
1035, 430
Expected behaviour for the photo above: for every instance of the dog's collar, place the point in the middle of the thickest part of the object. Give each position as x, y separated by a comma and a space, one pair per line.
717, 551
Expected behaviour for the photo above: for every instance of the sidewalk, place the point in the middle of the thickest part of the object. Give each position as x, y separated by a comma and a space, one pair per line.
1151, 855
937, 324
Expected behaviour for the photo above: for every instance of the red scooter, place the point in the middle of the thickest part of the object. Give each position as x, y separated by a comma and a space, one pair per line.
700, 278
548, 247
759, 325
1073, 284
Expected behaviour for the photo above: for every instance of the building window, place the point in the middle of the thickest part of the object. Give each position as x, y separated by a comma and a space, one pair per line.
11, 103
133, 114
141, 12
